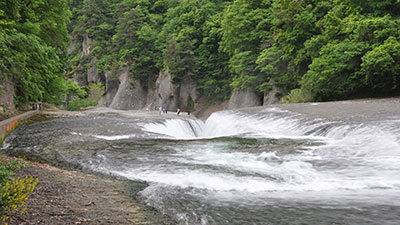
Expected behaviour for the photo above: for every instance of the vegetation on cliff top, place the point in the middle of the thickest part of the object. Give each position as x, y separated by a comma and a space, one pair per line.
325, 49
328, 50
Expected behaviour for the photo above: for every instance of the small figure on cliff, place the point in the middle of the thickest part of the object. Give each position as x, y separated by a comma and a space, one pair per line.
40, 106
188, 113
33, 106
178, 112
160, 109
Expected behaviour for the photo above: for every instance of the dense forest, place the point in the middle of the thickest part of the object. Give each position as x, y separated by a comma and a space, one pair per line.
314, 50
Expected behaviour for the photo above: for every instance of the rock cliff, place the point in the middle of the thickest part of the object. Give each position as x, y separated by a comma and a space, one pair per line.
274, 94
244, 98
130, 93
7, 96
122, 91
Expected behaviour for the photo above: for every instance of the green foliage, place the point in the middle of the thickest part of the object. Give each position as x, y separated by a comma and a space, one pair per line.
96, 91
331, 49
244, 68
297, 96
78, 103
381, 66
33, 40
334, 75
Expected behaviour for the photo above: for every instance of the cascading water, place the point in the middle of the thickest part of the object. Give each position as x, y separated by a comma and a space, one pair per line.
266, 167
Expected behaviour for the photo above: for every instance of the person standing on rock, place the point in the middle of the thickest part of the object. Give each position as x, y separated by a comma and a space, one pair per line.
178, 112
160, 109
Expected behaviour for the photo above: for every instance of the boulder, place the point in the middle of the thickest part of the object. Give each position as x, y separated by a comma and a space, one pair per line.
244, 98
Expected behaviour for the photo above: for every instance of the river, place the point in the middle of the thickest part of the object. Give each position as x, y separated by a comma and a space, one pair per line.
268, 166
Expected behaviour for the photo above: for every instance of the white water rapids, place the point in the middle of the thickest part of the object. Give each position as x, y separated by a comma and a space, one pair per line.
347, 158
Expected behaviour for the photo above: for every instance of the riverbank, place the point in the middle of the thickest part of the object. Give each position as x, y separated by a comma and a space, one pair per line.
70, 197
73, 197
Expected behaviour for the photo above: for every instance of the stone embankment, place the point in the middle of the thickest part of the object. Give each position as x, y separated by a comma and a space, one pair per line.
9, 124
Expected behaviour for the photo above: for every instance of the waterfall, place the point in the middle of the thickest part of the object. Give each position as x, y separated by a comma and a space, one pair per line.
340, 156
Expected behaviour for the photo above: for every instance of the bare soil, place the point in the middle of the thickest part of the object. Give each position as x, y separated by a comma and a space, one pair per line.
66, 197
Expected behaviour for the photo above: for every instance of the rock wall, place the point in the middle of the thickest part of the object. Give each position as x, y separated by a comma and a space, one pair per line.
187, 90
130, 94
111, 88
86, 44
244, 98
164, 94
121, 92
274, 95
82, 77
7, 96
92, 75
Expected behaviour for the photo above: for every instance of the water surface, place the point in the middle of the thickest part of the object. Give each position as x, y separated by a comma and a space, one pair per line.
267, 167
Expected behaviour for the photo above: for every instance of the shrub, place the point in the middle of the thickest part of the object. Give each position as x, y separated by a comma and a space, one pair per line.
297, 96
78, 103
14, 192
14, 195
96, 91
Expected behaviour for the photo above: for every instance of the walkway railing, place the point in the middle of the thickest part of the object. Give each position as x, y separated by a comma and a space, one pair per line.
9, 124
